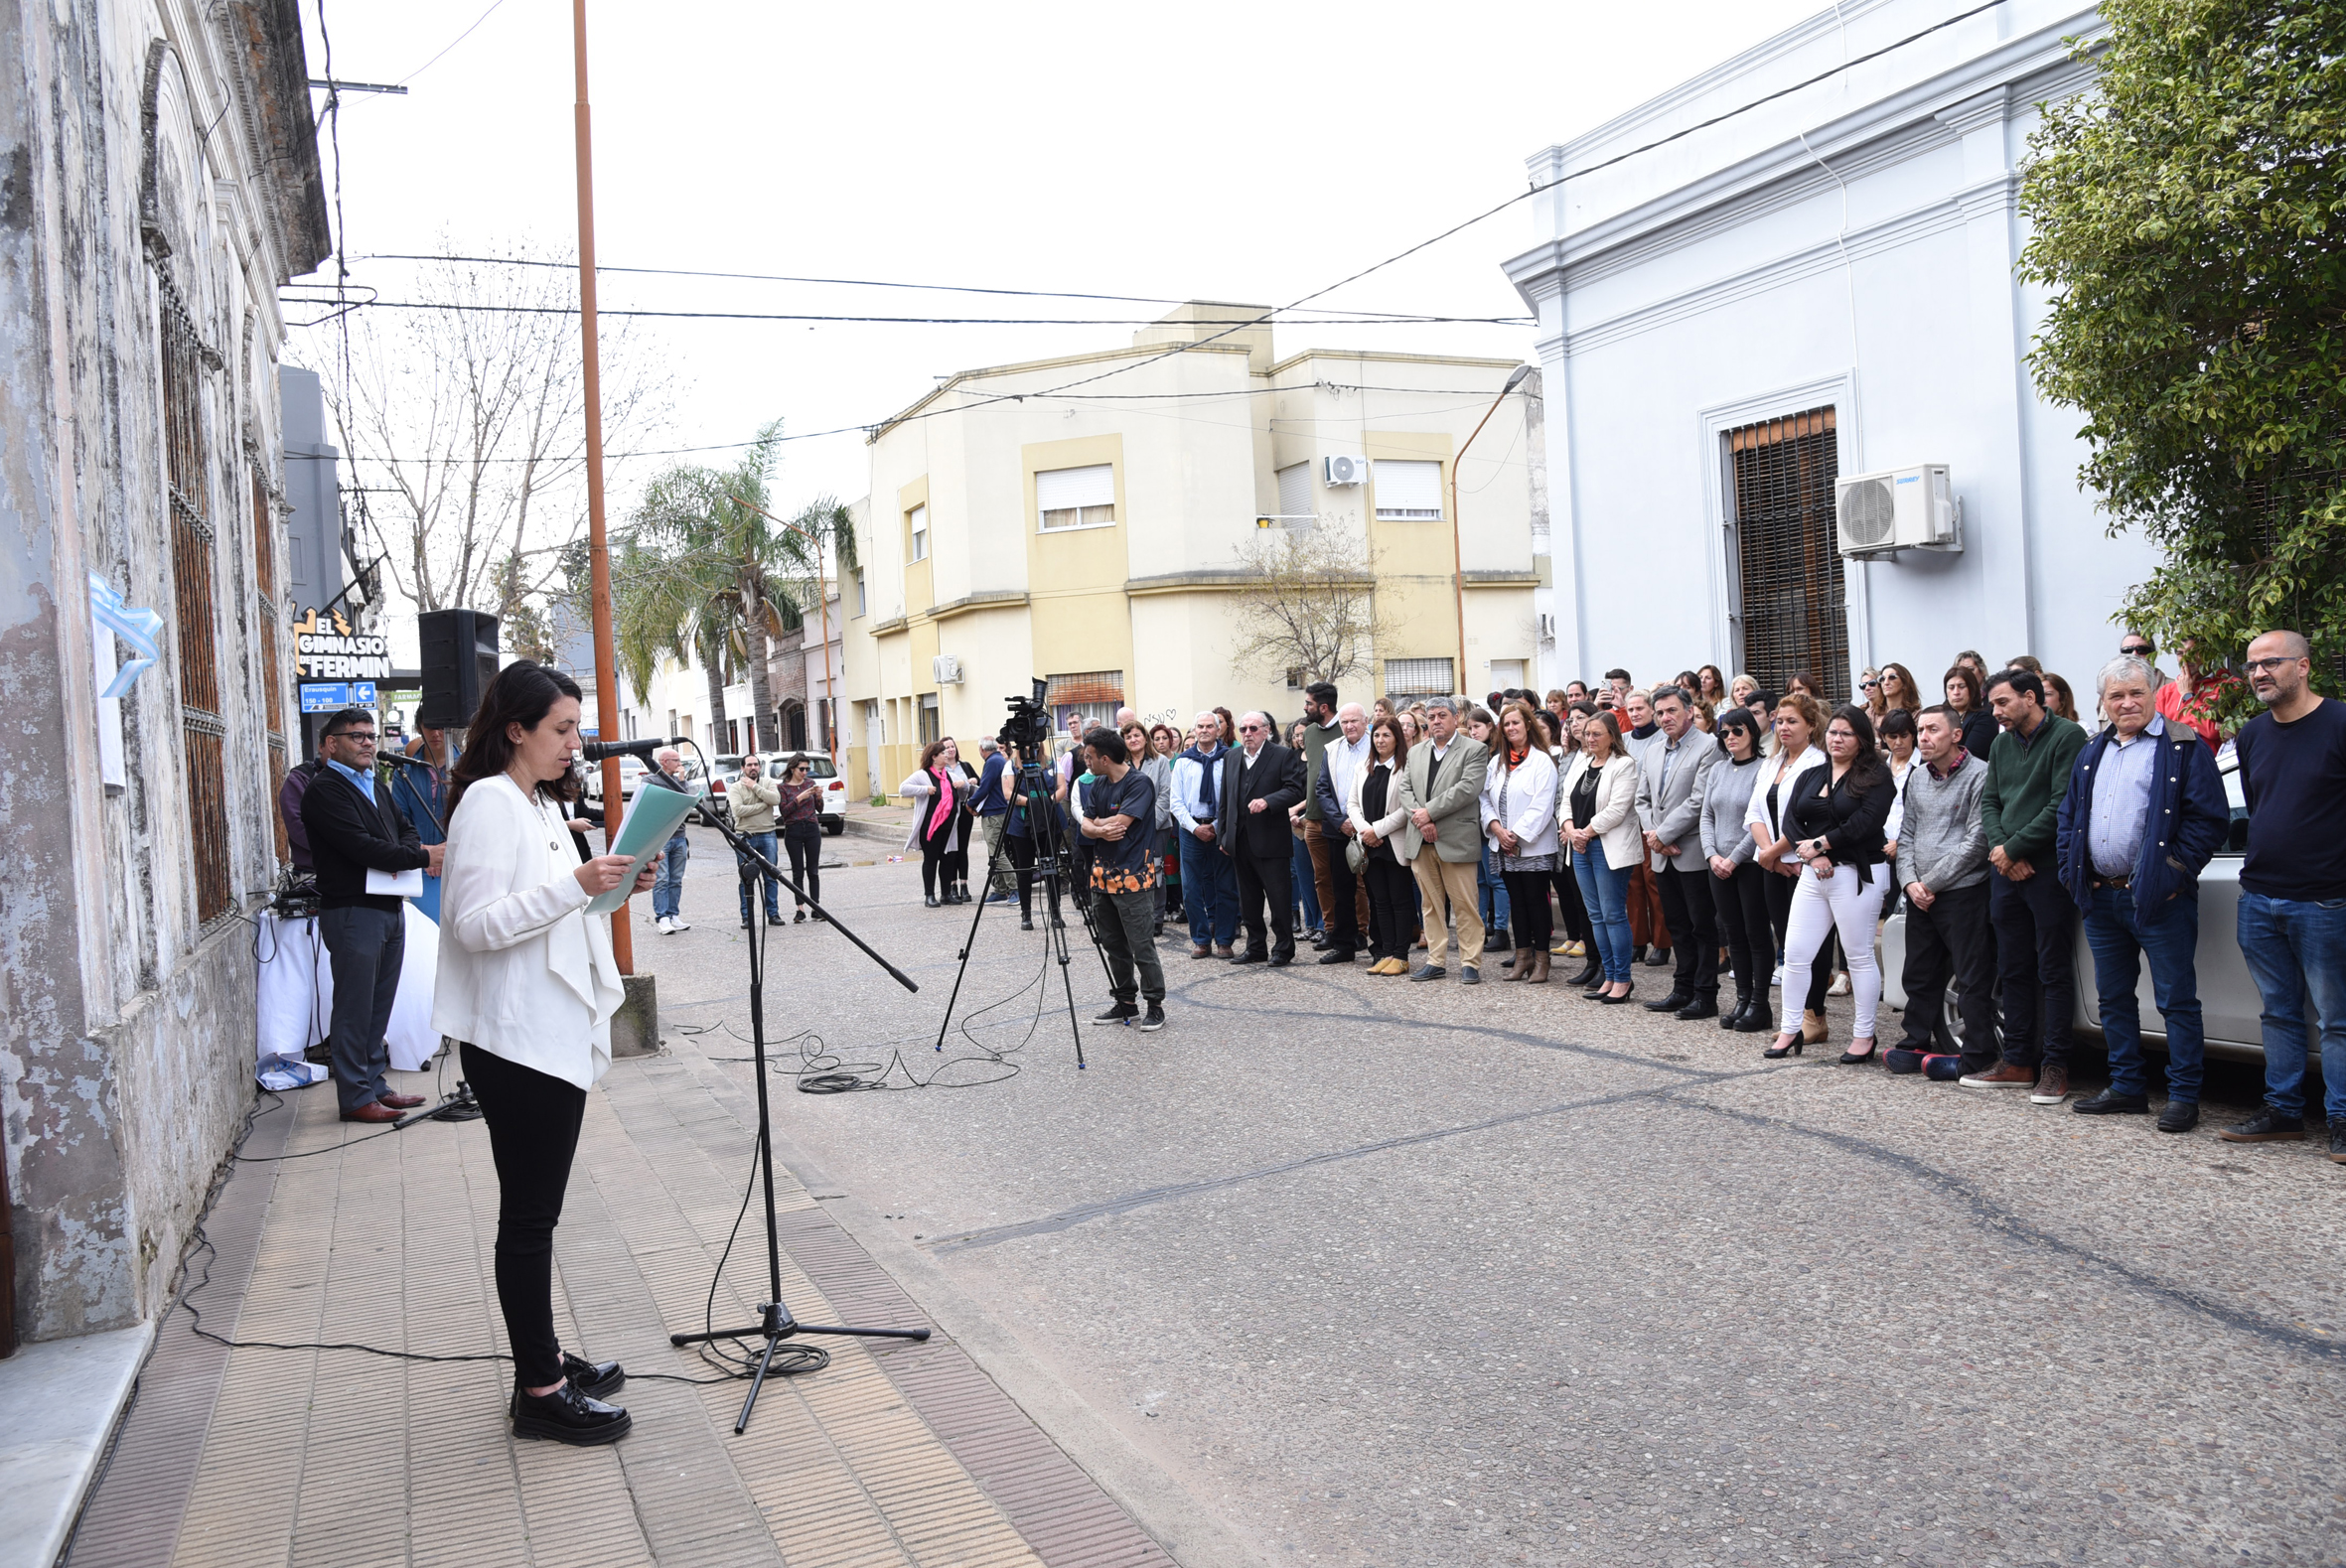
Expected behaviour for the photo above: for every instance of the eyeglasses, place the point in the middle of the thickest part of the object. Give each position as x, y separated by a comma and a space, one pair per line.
2137, 649
1868, 686
2261, 665
363, 737
1250, 729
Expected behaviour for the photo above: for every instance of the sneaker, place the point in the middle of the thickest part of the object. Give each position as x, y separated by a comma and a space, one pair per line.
1776, 980
679, 923
1121, 1013
666, 926
2003, 1075
1840, 984
1153, 1020
2181, 1115
2109, 1103
2052, 1086
2266, 1126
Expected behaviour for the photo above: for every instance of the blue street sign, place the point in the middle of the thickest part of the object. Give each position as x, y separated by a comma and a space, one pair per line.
327, 697
362, 694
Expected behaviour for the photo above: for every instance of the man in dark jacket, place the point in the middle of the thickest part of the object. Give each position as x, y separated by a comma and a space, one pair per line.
1260, 782
2143, 813
2035, 923
354, 829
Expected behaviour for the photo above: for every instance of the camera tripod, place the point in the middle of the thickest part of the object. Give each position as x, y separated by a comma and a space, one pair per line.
775, 1321
1049, 868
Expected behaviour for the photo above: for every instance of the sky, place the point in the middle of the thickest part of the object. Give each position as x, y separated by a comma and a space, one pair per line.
1250, 153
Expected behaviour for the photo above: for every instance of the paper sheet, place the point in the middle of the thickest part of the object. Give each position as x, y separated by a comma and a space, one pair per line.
396, 884
652, 819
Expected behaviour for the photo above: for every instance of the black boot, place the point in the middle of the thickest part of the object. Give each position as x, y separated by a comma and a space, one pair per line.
1498, 941
1757, 1018
1734, 1017
1588, 976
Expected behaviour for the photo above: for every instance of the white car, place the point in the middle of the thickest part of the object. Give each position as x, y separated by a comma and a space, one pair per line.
727, 770
2228, 1002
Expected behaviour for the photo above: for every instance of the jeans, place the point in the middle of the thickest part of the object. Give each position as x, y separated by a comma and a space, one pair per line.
2120, 943
1124, 921
805, 842
533, 1120
767, 845
1208, 892
2036, 959
1604, 892
363, 948
1307, 890
668, 888
2296, 949
1490, 889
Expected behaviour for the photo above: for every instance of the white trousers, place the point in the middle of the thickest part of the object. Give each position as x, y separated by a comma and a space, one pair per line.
1820, 906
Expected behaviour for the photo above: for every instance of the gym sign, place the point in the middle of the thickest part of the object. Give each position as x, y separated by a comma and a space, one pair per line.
326, 650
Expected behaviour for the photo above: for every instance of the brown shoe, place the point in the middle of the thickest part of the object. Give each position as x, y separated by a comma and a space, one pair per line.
1222, 951
2003, 1075
1813, 1030
1538, 974
1205, 952
2052, 1086
377, 1111
401, 1101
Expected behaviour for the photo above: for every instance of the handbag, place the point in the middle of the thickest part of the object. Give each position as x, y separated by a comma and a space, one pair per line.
1355, 855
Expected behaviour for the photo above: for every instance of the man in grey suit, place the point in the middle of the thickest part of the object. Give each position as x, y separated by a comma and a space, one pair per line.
1442, 840
1669, 778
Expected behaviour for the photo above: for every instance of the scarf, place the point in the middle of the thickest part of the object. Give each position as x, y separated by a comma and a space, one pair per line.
1210, 789
1515, 756
945, 802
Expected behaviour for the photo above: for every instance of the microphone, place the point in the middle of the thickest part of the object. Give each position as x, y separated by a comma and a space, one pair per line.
596, 750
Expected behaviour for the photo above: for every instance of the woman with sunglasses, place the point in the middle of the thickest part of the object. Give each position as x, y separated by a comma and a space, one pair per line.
1738, 886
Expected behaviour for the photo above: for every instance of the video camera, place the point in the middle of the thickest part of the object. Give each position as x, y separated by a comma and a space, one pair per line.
1029, 725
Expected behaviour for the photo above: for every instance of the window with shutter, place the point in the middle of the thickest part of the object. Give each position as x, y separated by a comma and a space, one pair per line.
1417, 677
1095, 694
916, 523
1407, 491
1791, 599
1295, 496
1084, 497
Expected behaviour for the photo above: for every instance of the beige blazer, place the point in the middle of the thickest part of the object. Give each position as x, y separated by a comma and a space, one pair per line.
526, 974
1385, 827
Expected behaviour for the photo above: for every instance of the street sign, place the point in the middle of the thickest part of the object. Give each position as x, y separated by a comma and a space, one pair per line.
331, 697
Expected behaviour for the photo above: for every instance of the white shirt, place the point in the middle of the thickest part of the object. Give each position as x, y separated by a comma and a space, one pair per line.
1343, 761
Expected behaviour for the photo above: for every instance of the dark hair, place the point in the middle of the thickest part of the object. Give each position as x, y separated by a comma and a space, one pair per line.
1230, 726
1718, 678
1908, 697
1762, 698
1898, 721
2024, 683
1806, 683
1322, 693
1604, 716
1106, 743
1616, 675
1955, 720
1401, 743
1865, 769
521, 694
1661, 693
343, 721
1972, 691
928, 753
2054, 683
2027, 662
1742, 719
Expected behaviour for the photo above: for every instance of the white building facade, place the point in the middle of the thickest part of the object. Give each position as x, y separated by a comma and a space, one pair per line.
1821, 285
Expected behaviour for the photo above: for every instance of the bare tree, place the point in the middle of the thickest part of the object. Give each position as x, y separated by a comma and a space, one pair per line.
467, 428
1306, 601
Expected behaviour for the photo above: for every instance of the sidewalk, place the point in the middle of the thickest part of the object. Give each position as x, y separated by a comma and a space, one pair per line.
895, 1454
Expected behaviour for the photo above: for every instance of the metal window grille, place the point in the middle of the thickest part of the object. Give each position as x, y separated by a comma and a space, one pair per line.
1793, 602
1095, 694
201, 731
1417, 677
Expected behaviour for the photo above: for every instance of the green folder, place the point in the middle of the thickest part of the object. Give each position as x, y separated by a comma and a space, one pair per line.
652, 819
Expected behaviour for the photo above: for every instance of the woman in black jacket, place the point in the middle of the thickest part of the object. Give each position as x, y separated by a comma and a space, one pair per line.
1835, 822
1978, 725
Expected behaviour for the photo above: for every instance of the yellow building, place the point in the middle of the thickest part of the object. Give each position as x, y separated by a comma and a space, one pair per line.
1084, 520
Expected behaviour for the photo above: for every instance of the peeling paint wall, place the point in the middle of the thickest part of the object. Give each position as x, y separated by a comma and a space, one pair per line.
140, 144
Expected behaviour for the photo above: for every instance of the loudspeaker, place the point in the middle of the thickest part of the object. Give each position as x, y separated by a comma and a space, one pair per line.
459, 649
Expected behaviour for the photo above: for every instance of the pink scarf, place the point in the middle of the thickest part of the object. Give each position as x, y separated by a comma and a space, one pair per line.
945, 802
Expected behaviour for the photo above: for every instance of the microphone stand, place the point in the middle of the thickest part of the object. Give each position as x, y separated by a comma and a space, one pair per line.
776, 1323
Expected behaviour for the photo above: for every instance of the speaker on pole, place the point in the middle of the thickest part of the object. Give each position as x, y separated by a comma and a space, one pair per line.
459, 649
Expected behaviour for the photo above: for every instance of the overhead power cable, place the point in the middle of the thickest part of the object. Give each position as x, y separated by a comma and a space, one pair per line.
912, 321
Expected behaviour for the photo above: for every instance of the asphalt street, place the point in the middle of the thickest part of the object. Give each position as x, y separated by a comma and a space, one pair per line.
1385, 1273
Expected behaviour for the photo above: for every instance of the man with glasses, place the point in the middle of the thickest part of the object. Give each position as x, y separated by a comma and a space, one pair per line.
354, 829
2138, 645
2292, 885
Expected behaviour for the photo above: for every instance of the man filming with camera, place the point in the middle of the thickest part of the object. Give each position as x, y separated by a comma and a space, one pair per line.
1118, 813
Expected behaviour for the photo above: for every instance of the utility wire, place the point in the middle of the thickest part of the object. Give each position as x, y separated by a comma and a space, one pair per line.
914, 320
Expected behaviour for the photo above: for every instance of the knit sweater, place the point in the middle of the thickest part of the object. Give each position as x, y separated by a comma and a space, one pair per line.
1940, 844
2022, 805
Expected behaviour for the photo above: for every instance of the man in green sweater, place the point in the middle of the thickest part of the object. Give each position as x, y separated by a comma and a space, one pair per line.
2035, 919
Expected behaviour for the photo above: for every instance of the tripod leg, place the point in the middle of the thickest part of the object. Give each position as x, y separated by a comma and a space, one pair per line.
969, 946
756, 1383
1059, 943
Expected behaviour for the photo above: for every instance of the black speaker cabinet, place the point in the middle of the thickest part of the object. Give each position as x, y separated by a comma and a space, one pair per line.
459, 649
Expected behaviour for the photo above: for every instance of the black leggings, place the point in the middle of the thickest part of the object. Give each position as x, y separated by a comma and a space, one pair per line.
1567, 898
534, 1122
937, 863
1526, 909
1744, 926
1779, 897
1393, 905
805, 842
1021, 850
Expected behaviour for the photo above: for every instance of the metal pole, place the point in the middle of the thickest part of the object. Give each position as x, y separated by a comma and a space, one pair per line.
622, 946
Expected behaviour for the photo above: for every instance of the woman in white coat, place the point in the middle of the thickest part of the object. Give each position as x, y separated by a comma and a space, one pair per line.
1597, 807
526, 988
1378, 815
1518, 820
942, 794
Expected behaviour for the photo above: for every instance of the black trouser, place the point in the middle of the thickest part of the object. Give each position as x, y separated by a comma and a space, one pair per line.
1688, 911
1267, 880
936, 863
1123, 922
1950, 939
2036, 960
1339, 916
805, 842
1393, 905
1527, 910
1742, 905
1568, 898
1828, 956
1021, 851
364, 948
533, 1121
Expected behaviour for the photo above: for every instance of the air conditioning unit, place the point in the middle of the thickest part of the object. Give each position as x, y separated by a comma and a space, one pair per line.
1912, 508
1344, 470
946, 668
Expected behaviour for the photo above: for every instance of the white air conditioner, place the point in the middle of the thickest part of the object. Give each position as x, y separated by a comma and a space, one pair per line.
946, 668
1912, 508
1344, 470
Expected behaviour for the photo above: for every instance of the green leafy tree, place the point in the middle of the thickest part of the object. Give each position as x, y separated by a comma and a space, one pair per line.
2187, 218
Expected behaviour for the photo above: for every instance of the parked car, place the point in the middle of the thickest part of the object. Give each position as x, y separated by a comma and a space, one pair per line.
723, 769
630, 777
2228, 998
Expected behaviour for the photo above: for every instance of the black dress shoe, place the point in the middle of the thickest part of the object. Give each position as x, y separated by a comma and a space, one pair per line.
1670, 1003
2109, 1103
1319, 941
595, 1379
1700, 1008
1734, 1015
1498, 941
568, 1416
1658, 958
1251, 957
930, 899
1280, 960
1637, 955
1616, 1001
2181, 1115
1337, 955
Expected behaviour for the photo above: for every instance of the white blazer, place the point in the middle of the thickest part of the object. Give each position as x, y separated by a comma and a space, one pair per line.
1772, 774
524, 972
1531, 803
1615, 818
1386, 826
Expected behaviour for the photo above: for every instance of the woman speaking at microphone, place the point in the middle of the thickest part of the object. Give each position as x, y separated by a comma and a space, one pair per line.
527, 986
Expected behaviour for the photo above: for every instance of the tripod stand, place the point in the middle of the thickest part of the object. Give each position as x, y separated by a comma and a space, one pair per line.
775, 1321
1049, 870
